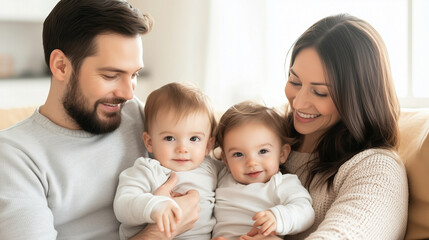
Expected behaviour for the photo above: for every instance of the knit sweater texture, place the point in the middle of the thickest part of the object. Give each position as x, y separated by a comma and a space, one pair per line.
368, 199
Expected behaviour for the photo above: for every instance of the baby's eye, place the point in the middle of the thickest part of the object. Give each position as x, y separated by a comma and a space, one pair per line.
263, 151
169, 138
237, 154
195, 139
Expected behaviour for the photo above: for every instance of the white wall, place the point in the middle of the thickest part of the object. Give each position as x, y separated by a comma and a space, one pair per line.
24, 81
175, 50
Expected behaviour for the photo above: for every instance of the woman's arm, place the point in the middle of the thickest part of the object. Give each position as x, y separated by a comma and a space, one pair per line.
370, 199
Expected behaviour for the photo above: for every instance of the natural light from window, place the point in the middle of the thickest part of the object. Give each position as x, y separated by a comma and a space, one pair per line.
249, 40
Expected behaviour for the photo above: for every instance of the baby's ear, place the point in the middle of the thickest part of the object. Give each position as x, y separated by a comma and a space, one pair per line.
210, 144
284, 153
223, 157
147, 141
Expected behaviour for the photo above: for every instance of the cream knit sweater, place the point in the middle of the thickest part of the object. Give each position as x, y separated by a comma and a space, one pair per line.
368, 200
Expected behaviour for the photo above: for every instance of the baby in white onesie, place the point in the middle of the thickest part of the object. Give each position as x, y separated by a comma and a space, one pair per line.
252, 194
179, 133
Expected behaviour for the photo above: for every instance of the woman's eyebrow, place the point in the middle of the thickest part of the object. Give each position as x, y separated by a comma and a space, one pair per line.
293, 72
312, 83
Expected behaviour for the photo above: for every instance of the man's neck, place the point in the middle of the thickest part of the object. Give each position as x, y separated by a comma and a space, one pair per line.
55, 112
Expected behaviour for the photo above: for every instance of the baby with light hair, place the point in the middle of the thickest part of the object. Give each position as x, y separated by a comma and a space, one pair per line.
179, 134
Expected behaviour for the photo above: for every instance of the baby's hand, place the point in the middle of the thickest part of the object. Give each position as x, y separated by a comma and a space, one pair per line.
166, 216
265, 221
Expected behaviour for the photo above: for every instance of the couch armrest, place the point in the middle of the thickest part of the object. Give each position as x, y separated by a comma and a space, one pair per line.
414, 151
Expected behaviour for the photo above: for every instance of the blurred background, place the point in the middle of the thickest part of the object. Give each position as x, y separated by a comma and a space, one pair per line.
233, 49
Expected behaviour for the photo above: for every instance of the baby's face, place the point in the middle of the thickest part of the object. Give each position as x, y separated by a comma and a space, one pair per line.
180, 145
253, 152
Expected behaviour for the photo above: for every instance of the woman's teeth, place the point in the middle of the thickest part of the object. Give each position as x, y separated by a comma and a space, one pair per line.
304, 115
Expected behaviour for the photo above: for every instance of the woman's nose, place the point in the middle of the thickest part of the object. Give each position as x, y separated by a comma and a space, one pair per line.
300, 100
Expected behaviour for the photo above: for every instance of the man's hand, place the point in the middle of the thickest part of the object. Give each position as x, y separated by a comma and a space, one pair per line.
190, 210
166, 189
265, 221
166, 216
187, 202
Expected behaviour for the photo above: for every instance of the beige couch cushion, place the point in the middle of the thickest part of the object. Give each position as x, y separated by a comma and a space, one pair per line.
13, 115
414, 151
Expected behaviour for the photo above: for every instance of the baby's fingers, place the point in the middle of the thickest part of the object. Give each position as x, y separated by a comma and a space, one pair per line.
160, 224
260, 218
177, 212
166, 221
172, 224
268, 227
258, 215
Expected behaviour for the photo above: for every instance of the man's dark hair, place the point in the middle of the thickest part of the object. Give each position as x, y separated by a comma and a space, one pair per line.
73, 24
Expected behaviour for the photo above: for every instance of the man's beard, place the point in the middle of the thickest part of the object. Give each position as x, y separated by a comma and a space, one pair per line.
77, 107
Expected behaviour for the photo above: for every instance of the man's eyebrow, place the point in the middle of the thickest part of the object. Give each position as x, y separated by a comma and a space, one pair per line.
112, 69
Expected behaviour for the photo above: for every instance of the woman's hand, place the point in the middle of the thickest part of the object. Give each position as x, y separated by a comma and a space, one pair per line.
187, 202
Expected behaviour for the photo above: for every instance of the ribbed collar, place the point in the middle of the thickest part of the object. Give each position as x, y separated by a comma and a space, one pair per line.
48, 124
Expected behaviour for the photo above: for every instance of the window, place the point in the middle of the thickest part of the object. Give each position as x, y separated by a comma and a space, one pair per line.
418, 88
250, 40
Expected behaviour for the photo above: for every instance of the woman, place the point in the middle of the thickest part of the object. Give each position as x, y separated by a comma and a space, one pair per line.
344, 111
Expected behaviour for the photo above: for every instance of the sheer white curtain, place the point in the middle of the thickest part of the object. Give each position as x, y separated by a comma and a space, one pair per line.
420, 48
249, 40
237, 60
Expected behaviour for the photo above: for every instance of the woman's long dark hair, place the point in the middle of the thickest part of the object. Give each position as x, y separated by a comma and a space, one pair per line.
357, 67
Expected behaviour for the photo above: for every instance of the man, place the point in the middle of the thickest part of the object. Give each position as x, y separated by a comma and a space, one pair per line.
59, 168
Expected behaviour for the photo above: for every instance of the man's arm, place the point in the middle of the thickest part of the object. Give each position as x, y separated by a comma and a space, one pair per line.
190, 211
24, 211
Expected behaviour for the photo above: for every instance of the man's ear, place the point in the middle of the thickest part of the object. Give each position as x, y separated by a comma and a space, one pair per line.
210, 145
147, 141
284, 153
60, 65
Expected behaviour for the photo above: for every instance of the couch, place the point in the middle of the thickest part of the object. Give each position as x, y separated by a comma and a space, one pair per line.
413, 149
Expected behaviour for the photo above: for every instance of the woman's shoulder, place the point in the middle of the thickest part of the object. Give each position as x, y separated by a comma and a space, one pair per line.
373, 156
373, 162
297, 159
